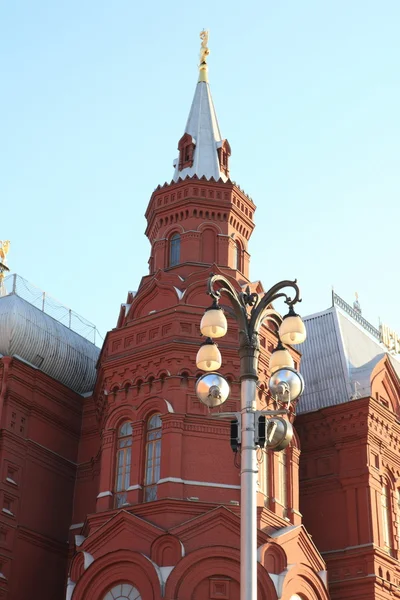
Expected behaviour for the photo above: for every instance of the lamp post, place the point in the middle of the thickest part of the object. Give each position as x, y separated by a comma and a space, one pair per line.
285, 385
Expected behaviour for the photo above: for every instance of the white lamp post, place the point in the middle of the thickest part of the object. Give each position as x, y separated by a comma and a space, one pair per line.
286, 384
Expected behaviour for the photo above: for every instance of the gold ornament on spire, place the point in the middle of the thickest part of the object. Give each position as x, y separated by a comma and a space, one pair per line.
204, 52
4, 248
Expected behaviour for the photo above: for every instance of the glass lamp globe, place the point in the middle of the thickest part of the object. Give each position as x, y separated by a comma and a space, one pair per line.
208, 357
292, 329
213, 324
280, 358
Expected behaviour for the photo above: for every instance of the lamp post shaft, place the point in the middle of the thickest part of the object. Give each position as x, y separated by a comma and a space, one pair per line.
249, 323
248, 493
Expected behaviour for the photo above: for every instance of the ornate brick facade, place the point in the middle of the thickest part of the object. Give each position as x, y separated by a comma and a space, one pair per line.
138, 472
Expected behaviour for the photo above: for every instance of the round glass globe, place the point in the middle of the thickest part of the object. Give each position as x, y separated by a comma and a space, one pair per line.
214, 324
280, 359
208, 357
292, 330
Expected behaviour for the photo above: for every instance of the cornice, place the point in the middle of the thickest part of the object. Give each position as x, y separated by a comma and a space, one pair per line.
75, 406
50, 459
43, 541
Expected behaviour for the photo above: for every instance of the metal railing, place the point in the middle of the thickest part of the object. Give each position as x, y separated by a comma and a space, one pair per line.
338, 301
15, 284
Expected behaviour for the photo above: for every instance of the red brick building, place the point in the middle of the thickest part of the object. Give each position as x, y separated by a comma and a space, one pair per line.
349, 428
116, 483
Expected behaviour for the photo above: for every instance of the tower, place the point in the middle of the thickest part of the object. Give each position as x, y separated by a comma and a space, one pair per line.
156, 499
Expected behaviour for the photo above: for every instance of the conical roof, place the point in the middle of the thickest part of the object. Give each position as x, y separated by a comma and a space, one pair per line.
202, 126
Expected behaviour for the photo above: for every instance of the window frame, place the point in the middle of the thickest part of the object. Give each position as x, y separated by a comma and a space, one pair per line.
123, 463
387, 520
152, 467
174, 250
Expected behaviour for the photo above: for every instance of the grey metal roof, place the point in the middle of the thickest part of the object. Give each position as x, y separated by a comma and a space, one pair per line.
338, 357
202, 125
39, 339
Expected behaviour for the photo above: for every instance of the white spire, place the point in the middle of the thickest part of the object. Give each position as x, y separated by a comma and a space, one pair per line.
202, 138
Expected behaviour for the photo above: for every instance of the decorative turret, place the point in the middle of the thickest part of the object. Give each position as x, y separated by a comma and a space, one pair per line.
202, 151
202, 217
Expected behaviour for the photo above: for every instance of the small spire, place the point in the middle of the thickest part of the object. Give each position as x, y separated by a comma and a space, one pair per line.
356, 304
4, 248
202, 150
204, 52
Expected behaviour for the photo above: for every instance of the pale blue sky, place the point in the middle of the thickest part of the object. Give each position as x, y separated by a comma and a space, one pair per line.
94, 99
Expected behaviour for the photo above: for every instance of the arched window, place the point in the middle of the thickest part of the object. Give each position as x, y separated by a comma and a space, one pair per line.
387, 533
153, 458
123, 463
282, 478
123, 591
174, 250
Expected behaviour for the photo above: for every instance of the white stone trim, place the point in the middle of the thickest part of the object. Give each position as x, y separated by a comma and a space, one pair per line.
70, 588
323, 575
200, 483
76, 525
88, 559
134, 487
79, 539
165, 573
104, 494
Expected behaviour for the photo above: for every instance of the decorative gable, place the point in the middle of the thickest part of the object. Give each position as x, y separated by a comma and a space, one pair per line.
122, 531
385, 385
186, 147
224, 152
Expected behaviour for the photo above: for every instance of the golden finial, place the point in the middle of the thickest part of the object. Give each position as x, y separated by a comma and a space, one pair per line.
204, 52
4, 248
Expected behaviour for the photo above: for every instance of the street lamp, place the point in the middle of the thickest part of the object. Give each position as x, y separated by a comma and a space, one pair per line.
208, 357
285, 385
280, 358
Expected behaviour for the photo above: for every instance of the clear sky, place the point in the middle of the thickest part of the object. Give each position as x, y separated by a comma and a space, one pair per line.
95, 96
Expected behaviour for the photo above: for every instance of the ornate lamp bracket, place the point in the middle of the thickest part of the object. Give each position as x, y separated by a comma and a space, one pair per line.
250, 321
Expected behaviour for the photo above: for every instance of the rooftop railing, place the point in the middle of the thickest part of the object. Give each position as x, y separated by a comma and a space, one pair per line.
15, 284
354, 314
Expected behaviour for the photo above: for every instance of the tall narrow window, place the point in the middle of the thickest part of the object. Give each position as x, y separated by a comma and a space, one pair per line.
153, 458
174, 250
238, 257
386, 519
123, 467
282, 474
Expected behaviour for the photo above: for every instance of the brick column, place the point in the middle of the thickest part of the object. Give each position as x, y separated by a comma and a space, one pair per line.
106, 483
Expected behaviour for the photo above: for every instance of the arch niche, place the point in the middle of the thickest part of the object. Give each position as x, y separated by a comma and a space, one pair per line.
199, 572
109, 572
302, 583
